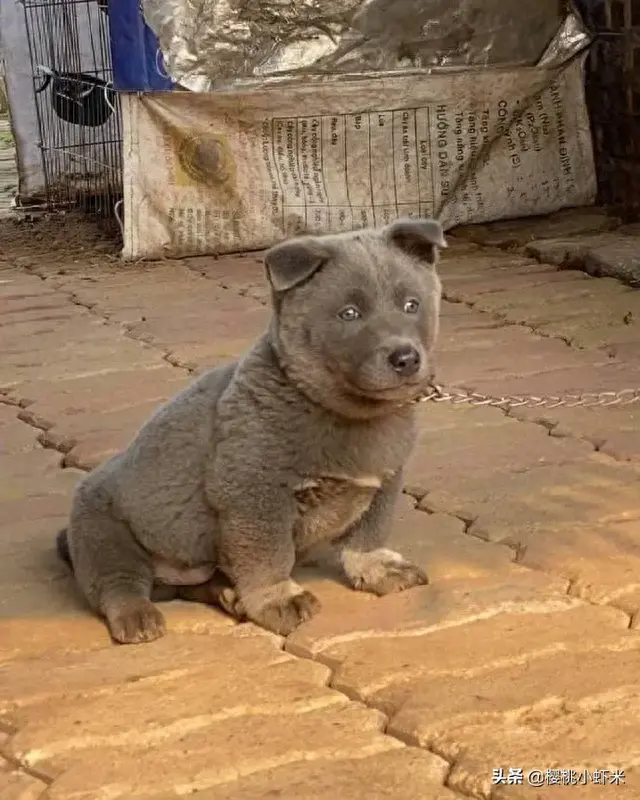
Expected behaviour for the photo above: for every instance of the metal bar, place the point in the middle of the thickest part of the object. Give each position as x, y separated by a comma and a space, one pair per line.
79, 125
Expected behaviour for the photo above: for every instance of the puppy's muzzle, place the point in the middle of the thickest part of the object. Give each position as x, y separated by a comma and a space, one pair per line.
405, 360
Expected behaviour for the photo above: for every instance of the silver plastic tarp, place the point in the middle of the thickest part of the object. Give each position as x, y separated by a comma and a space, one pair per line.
216, 44
320, 116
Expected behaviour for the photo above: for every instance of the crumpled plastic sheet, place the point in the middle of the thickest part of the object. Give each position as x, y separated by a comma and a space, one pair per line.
225, 44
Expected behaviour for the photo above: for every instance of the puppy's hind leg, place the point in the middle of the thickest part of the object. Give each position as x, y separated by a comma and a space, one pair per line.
218, 591
114, 572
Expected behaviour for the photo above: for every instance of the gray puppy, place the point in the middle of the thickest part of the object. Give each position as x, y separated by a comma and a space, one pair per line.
302, 442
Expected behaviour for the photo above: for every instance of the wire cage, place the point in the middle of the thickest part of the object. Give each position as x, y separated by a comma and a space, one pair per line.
77, 109
613, 97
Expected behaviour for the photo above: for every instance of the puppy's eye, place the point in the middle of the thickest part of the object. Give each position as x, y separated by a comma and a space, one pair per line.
411, 306
349, 314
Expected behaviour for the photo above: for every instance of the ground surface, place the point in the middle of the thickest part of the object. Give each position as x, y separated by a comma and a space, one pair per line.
521, 655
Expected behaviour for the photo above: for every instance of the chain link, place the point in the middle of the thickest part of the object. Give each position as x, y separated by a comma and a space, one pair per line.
625, 397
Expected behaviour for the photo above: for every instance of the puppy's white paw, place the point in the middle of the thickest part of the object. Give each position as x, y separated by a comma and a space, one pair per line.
381, 571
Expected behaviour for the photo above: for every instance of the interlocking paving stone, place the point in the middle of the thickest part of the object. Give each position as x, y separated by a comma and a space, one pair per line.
450, 604
70, 671
16, 784
607, 255
493, 664
568, 252
517, 232
495, 696
438, 543
243, 745
512, 506
54, 403
401, 774
476, 442
138, 716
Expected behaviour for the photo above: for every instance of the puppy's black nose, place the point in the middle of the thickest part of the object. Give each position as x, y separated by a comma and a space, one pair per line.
405, 360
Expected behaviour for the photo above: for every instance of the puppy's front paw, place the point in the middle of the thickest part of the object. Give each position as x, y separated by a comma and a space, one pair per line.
284, 616
382, 572
281, 608
136, 621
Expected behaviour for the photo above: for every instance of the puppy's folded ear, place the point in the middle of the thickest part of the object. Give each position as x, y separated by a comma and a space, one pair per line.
294, 261
417, 237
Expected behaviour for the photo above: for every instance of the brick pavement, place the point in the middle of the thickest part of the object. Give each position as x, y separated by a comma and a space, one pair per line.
521, 653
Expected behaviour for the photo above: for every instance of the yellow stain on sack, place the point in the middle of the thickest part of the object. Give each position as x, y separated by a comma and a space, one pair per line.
205, 160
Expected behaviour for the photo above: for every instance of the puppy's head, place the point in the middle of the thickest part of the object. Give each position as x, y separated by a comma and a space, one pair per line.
356, 314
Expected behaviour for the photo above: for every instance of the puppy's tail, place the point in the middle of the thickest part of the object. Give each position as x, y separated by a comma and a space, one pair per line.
62, 546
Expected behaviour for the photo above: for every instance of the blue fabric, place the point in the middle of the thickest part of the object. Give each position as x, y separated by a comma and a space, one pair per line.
138, 63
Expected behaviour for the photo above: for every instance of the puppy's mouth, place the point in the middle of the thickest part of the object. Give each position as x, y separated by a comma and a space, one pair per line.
404, 392
389, 389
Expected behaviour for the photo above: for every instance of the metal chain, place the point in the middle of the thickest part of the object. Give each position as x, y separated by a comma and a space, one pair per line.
625, 397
